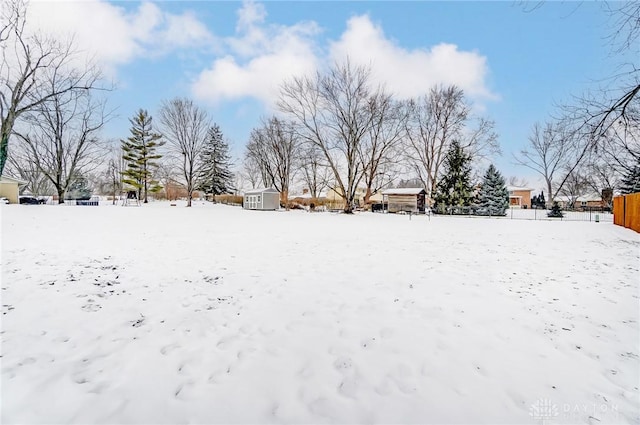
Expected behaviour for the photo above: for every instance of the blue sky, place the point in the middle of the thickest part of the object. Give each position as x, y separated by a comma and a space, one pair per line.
230, 57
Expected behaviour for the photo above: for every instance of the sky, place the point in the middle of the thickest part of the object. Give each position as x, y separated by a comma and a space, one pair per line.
515, 62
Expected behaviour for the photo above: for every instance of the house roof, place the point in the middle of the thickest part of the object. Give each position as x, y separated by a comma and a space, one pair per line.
519, 189
583, 198
307, 196
12, 180
404, 191
258, 191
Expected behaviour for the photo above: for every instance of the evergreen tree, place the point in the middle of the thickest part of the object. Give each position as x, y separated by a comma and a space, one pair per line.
538, 201
215, 177
494, 196
139, 152
555, 211
630, 182
454, 188
79, 189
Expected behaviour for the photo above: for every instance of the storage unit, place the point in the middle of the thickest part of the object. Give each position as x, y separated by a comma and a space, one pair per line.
410, 199
261, 199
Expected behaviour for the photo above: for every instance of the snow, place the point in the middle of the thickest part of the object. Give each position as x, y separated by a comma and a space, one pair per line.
215, 314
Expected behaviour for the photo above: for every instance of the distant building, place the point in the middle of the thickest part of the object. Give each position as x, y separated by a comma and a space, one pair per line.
583, 202
519, 197
408, 199
261, 199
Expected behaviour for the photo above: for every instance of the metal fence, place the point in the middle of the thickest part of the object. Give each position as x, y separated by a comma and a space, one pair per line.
588, 214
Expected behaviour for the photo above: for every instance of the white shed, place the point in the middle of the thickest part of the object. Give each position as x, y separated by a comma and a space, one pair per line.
261, 199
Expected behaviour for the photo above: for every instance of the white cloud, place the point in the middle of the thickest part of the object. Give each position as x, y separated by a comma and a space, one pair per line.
260, 58
409, 73
113, 35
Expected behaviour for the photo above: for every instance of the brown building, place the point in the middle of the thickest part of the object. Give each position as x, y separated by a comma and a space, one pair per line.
404, 200
519, 197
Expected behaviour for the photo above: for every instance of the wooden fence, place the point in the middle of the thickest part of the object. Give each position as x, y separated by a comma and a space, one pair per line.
626, 211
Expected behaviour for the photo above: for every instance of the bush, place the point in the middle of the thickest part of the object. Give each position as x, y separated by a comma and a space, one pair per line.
229, 199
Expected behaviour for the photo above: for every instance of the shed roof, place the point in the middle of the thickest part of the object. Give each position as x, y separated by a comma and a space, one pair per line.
404, 191
258, 191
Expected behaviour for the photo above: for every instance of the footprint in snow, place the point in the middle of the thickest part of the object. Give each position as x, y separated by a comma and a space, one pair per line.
168, 349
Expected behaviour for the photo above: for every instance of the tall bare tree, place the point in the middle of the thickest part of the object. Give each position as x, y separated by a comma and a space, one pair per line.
185, 127
332, 112
27, 62
275, 148
549, 153
438, 118
379, 151
60, 136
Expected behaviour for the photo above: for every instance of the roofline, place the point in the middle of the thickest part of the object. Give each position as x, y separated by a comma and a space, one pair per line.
12, 179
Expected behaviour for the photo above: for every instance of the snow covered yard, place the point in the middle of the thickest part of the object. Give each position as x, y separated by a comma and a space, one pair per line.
213, 314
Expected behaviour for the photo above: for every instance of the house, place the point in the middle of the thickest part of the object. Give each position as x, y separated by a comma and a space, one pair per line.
410, 199
591, 201
10, 188
519, 197
335, 200
261, 199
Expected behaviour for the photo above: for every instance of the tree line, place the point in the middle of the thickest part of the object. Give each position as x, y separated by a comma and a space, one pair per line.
340, 130
336, 129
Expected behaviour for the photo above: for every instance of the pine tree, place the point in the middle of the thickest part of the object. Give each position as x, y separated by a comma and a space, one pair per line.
215, 177
538, 201
555, 211
139, 152
630, 183
493, 198
454, 188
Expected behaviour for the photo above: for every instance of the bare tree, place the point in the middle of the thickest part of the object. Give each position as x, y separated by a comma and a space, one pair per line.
251, 172
517, 181
435, 121
575, 186
275, 148
27, 62
185, 127
112, 175
60, 136
549, 153
379, 151
315, 172
20, 165
332, 112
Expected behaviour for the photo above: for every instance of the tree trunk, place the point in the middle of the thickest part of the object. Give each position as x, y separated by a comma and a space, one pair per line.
60, 195
4, 143
367, 195
348, 206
